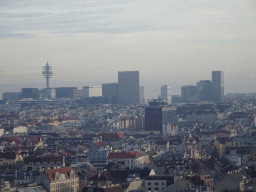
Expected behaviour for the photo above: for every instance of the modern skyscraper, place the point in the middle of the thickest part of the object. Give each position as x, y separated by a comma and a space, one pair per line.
217, 86
29, 93
47, 73
188, 93
166, 93
110, 90
204, 90
128, 87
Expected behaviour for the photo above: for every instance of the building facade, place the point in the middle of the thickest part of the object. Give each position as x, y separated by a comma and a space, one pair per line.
217, 86
131, 159
188, 94
65, 92
204, 90
61, 180
157, 116
166, 93
142, 97
92, 91
29, 93
128, 87
110, 90
11, 95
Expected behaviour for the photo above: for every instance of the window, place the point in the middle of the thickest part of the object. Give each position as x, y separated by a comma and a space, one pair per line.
162, 183
149, 188
156, 188
149, 183
156, 183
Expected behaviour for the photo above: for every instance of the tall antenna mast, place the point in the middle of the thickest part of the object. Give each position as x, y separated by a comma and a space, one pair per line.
47, 73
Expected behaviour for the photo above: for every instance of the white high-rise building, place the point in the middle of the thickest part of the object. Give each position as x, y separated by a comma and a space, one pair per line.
128, 87
92, 91
142, 98
166, 93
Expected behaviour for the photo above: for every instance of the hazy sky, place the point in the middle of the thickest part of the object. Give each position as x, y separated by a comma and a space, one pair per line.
174, 42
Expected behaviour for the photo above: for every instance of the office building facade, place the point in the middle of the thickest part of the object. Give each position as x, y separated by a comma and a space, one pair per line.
128, 87
65, 92
166, 93
92, 91
11, 95
29, 93
188, 94
110, 90
217, 86
204, 90
157, 114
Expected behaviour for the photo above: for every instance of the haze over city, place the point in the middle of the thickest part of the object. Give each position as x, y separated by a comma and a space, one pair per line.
169, 42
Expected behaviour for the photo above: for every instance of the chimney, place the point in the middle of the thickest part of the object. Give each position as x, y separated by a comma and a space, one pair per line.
64, 165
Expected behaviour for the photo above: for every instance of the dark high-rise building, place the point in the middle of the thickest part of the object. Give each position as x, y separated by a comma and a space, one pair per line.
217, 86
110, 90
65, 92
204, 90
128, 87
188, 93
29, 93
47, 73
158, 114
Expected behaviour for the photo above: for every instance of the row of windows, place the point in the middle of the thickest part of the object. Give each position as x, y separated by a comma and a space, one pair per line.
44, 163
64, 184
156, 188
156, 183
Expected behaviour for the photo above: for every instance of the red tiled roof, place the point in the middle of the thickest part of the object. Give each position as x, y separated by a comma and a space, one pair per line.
121, 155
65, 153
117, 136
8, 155
64, 170
99, 144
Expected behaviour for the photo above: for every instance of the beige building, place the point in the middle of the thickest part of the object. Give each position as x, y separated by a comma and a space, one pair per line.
61, 180
157, 183
131, 159
206, 117
92, 91
9, 158
78, 94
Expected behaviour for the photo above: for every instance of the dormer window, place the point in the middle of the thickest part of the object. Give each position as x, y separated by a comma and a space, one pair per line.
56, 176
71, 173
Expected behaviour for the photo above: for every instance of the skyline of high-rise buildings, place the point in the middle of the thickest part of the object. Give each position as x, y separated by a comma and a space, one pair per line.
128, 91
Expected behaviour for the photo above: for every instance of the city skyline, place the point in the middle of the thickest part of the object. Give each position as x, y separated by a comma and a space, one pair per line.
170, 43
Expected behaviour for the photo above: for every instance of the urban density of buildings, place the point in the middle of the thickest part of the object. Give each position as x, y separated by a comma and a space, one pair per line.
110, 138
